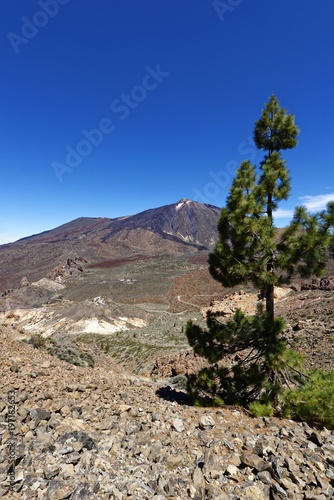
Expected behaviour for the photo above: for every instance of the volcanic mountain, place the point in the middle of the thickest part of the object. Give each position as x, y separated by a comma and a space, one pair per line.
182, 227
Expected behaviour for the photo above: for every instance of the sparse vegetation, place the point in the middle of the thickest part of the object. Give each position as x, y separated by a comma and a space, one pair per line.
38, 341
105, 346
73, 356
63, 351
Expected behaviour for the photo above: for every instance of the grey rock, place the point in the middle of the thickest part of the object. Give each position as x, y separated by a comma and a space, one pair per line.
264, 477
72, 458
330, 474
255, 462
278, 492
52, 472
80, 436
206, 422
84, 491
198, 479
178, 425
40, 414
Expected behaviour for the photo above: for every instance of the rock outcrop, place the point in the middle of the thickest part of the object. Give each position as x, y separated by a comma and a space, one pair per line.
68, 268
325, 283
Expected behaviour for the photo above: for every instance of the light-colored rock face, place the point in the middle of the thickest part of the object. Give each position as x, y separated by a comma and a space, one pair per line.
46, 322
248, 302
101, 433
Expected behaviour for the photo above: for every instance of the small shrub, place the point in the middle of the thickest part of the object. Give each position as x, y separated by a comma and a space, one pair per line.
106, 346
86, 360
258, 409
37, 341
218, 401
313, 402
179, 381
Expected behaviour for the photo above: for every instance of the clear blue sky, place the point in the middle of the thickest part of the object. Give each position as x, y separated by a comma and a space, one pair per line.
174, 88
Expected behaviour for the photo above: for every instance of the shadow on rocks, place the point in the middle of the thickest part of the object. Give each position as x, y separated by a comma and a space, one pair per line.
172, 395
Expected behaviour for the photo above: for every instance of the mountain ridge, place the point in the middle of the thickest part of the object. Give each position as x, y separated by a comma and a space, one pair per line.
181, 227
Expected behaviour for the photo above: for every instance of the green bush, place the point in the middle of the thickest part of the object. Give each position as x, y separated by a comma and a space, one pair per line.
261, 410
259, 361
313, 402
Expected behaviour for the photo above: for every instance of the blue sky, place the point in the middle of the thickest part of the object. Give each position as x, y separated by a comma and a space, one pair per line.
109, 108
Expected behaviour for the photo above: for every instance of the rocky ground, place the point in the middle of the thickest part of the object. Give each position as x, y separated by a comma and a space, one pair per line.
97, 409
82, 433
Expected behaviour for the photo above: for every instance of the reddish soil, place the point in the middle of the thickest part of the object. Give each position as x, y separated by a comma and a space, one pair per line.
197, 289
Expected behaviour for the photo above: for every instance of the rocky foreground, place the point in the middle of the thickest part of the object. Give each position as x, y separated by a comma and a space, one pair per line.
82, 433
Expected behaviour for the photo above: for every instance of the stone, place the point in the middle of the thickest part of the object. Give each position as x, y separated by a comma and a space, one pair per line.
84, 491
252, 493
198, 479
67, 470
178, 425
278, 492
254, 461
330, 474
56, 491
65, 410
40, 414
231, 470
116, 493
206, 422
81, 437
265, 477
51, 472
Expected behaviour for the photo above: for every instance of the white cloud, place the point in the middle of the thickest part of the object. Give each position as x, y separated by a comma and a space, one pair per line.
318, 202
312, 203
283, 214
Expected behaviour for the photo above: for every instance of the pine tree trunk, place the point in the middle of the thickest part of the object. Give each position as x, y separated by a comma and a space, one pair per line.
270, 301
270, 265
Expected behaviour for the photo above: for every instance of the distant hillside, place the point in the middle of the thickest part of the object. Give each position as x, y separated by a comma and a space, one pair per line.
185, 226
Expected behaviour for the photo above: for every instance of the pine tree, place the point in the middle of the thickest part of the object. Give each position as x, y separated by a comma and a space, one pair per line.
251, 250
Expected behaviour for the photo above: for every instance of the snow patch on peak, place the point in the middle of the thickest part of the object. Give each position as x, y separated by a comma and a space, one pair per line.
182, 202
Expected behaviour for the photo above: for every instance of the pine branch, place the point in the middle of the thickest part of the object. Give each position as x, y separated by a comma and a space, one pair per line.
298, 371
